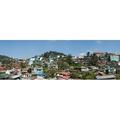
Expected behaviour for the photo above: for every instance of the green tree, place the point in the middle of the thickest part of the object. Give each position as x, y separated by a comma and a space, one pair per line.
29, 70
23, 65
94, 60
118, 76
88, 54
88, 75
69, 59
63, 65
76, 75
50, 73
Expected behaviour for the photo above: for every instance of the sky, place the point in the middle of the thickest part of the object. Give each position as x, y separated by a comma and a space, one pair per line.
30, 48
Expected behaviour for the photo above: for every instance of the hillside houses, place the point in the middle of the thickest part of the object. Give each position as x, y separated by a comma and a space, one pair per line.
55, 65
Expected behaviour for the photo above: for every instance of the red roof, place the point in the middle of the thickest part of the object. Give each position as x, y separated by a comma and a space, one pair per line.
64, 75
2, 68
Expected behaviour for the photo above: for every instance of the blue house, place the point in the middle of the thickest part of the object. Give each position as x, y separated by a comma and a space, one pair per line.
39, 72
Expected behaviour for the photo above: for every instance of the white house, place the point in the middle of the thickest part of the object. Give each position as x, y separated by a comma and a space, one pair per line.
84, 69
31, 60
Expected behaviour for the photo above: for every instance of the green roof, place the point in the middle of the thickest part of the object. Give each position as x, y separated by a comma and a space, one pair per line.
3, 76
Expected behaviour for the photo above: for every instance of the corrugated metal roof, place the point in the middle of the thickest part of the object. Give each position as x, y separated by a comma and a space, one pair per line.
106, 77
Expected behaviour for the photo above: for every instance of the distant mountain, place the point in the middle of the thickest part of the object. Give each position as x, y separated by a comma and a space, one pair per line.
4, 60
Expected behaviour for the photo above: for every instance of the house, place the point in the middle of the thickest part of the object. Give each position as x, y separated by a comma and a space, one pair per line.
84, 69
101, 62
63, 75
4, 76
53, 65
26, 73
31, 60
100, 73
33, 77
51, 60
2, 69
99, 54
38, 72
106, 77
110, 69
16, 77
103, 76
114, 58
13, 71
94, 68
40, 58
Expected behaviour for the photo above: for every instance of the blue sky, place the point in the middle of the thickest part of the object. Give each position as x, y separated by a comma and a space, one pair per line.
26, 49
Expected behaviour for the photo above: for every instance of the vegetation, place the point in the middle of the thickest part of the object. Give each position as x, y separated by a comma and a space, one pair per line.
54, 62
64, 62
62, 65
88, 75
76, 75
50, 73
118, 76
23, 65
52, 54
6, 61
94, 60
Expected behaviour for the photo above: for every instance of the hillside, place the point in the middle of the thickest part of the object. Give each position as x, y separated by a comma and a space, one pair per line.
5, 59
47, 56
52, 54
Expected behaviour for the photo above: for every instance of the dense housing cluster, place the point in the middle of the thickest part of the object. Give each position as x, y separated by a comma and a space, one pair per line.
58, 66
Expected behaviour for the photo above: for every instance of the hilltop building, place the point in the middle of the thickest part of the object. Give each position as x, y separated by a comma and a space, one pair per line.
114, 57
